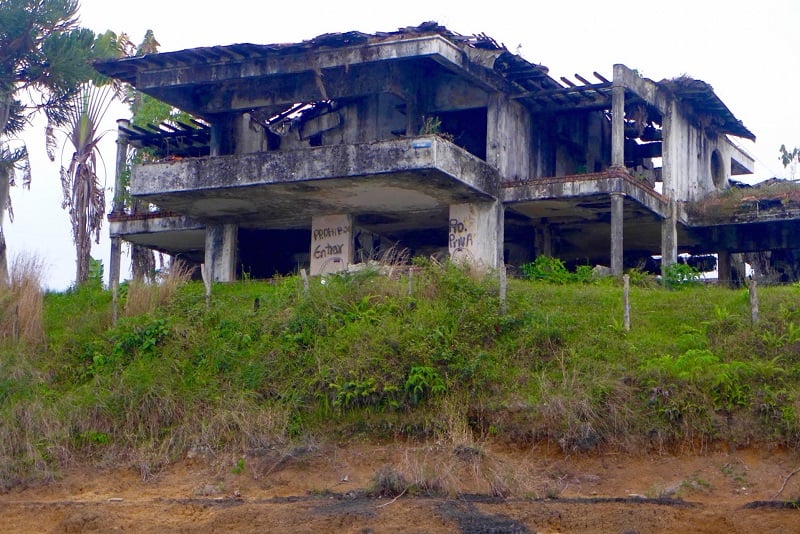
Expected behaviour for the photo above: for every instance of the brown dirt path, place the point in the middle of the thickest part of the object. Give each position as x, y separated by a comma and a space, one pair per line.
325, 488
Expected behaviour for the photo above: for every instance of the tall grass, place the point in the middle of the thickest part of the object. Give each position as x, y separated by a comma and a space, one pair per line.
144, 297
21, 301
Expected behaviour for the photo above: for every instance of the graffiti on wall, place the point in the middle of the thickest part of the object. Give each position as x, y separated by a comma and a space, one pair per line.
329, 242
460, 236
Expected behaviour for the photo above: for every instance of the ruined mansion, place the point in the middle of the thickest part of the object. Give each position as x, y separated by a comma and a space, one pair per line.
327, 152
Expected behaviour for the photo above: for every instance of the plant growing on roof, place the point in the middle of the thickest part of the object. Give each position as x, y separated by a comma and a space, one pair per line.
790, 158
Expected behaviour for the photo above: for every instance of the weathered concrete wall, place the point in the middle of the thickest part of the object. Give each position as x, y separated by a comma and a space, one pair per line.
170, 183
508, 143
543, 146
250, 136
375, 117
476, 234
221, 252
687, 156
331, 243
568, 144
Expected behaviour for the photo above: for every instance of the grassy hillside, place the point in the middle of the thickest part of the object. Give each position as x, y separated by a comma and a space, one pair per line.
369, 356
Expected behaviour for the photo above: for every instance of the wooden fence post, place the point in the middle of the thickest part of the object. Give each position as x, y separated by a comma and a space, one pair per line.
304, 276
207, 283
753, 302
503, 288
626, 303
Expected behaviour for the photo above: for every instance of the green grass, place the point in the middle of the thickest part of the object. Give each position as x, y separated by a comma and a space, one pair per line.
359, 356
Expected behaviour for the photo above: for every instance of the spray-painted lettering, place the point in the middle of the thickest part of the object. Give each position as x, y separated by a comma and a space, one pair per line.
326, 251
460, 236
329, 232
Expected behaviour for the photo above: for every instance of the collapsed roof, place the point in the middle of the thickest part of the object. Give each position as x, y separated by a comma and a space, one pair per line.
209, 71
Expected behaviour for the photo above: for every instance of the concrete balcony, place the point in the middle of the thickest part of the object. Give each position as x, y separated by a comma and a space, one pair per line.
167, 232
578, 207
399, 183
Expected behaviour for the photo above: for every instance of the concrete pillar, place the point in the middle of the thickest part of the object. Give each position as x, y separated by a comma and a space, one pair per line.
543, 240
669, 236
118, 208
475, 234
113, 274
118, 204
221, 248
332, 243
724, 268
617, 214
617, 125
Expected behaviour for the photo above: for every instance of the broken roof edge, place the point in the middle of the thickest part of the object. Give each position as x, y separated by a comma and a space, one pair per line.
480, 49
700, 96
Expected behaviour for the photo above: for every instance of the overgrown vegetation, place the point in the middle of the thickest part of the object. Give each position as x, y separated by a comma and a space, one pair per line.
361, 354
736, 203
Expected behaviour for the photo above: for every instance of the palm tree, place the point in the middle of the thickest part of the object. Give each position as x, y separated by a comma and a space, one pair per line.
84, 191
43, 53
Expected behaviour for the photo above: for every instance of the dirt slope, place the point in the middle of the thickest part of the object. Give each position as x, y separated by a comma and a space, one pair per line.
327, 488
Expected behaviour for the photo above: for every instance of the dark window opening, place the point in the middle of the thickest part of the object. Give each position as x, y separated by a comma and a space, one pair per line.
468, 128
265, 253
717, 169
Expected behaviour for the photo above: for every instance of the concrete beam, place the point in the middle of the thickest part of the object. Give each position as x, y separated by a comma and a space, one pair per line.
283, 63
741, 161
274, 79
585, 185
751, 236
644, 88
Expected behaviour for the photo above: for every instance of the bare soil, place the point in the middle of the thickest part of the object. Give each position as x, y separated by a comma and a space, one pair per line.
491, 488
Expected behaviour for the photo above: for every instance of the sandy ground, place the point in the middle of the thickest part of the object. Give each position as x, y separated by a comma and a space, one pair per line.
330, 488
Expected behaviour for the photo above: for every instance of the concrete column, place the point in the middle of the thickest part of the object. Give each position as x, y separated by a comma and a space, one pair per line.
669, 236
221, 248
118, 204
724, 268
332, 243
543, 240
617, 126
113, 274
475, 235
617, 213
118, 208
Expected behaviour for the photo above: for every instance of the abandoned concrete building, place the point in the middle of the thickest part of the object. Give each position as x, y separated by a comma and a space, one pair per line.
324, 153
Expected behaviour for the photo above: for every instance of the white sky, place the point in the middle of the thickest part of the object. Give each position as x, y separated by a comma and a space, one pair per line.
748, 51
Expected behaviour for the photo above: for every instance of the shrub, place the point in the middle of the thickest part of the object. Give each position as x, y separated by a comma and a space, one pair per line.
553, 270
680, 275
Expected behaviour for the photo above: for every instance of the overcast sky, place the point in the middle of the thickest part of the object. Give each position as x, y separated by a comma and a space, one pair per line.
748, 51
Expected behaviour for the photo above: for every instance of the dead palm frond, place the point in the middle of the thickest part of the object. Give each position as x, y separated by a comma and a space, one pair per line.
83, 188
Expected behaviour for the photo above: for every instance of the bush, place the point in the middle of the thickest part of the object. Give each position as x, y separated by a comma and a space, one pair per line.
553, 270
680, 275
